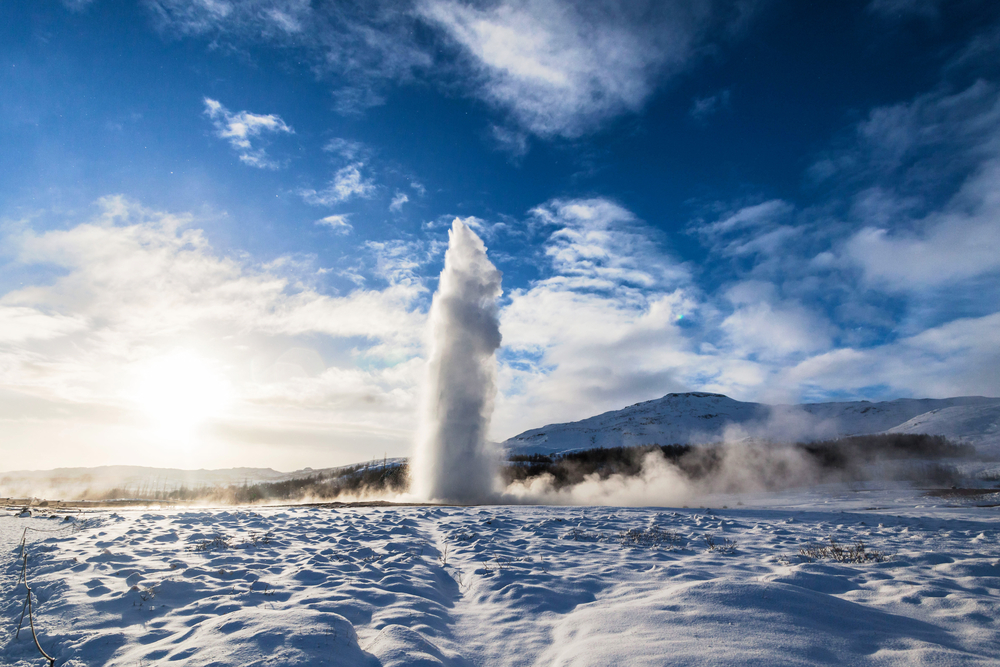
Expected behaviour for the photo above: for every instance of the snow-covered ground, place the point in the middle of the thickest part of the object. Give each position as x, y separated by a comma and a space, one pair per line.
513, 585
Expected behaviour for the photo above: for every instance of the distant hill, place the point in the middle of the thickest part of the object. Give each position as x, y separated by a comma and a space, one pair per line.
697, 417
134, 481
977, 425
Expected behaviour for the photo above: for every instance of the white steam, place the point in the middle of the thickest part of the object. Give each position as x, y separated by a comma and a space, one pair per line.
453, 460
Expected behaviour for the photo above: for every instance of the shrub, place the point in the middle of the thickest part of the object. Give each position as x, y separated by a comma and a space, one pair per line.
855, 553
650, 537
726, 546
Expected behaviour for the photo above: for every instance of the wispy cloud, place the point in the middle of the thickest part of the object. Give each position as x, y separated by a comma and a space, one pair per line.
553, 68
347, 149
601, 326
560, 68
599, 245
397, 202
400, 262
346, 183
239, 128
919, 231
362, 45
338, 223
704, 107
756, 228
864, 287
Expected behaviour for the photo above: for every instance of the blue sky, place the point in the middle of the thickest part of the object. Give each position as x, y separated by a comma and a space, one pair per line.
222, 221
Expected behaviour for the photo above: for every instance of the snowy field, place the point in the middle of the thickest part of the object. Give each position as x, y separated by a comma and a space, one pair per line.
503, 585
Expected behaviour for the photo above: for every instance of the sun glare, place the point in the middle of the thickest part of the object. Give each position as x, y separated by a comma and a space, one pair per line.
179, 392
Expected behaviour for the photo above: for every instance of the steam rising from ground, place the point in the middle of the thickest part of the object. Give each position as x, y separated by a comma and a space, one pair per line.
453, 460
750, 458
741, 468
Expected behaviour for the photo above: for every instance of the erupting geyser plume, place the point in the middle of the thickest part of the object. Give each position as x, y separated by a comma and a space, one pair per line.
453, 460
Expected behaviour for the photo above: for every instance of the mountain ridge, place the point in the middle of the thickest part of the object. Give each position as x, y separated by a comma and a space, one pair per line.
704, 418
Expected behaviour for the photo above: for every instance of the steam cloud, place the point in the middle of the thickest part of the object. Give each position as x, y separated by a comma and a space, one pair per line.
453, 460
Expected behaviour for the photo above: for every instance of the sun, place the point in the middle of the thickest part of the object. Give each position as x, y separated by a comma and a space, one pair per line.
180, 391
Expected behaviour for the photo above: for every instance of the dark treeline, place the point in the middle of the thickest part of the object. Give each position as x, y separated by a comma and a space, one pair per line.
866, 448
571, 468
698, 462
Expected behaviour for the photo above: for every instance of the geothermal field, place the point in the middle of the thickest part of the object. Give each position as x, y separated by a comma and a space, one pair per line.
477, 333
742, 551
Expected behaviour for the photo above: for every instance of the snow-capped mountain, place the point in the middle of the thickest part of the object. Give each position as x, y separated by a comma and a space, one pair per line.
706, 418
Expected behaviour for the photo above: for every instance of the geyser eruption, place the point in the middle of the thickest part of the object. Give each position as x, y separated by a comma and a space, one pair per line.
453, 460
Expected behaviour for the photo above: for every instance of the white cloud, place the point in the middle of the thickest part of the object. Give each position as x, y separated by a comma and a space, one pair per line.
951, 251
269, 19
349, 150
240, 128
569, 354
144, 272
758, 231
612, 320
907, 244
397, 202
556, 68
601, 328
912, 145
766, 327
337, 223
954, 359
847, 295
756, 216
615, 320
961, 241
398, 261
134, 286
561, 68
18, 324
347, 182
598, 245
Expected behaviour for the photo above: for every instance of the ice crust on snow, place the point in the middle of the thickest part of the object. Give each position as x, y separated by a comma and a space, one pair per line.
513, 585
701, 418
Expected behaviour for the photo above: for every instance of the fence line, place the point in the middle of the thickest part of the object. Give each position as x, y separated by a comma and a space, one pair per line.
28, 607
